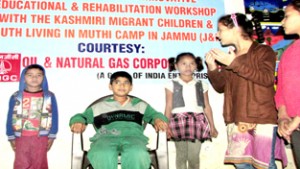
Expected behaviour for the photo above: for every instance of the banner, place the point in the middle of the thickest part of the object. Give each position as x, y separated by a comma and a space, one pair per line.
100, 37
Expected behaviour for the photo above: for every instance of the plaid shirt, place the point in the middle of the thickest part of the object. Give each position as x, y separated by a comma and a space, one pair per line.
189, 126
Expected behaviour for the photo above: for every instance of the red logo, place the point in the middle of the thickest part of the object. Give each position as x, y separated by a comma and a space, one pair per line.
10, 67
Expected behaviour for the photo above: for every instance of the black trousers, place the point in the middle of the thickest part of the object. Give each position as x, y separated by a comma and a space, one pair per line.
295, 140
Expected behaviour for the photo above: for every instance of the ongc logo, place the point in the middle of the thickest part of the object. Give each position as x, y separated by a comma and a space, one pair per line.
9, 67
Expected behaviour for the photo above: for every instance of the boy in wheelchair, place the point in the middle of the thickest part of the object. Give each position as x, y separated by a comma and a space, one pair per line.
118, 121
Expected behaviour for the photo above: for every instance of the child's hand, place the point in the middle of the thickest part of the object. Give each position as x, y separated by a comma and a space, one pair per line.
210, 61
222, 57
160, 125
294, 124
50, 142
283, 129
78, 127
13, 144
213, 132
169, 133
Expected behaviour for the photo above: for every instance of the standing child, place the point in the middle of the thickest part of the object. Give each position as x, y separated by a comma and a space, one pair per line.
288, 95
118, 121
32, 120
189, 112
246, 78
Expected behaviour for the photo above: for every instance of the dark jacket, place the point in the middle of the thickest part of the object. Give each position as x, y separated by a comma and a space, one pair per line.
248, 86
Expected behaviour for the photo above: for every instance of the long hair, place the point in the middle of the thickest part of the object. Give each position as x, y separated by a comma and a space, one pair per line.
172, 61
246, 25
295, 4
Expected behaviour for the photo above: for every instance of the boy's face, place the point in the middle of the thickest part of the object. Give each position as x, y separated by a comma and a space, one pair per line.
121, 86
34, 78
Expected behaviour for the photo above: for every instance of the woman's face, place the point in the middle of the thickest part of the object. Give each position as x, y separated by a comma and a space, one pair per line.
291, 20
225, 34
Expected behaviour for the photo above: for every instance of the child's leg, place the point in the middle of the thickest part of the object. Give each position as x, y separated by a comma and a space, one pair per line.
21, 159
134, 153
104, 153
181, 154
193, 154
31, 152
39, 152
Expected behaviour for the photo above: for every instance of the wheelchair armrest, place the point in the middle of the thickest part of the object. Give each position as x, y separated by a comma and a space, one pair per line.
162, 150
77, 153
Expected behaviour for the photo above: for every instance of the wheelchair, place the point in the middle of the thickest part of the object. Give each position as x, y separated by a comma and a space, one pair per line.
79, 160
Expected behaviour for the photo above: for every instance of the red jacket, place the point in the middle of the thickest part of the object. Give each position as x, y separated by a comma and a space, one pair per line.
288, 93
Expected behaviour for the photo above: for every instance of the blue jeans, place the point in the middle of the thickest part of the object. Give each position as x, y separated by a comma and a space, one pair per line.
272, 164
243, 166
